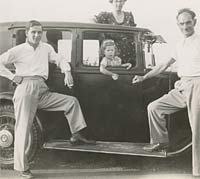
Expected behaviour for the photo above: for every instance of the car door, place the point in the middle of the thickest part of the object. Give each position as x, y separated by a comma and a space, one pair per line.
114, 109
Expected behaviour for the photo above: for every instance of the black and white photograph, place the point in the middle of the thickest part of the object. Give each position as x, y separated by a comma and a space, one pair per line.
99, 89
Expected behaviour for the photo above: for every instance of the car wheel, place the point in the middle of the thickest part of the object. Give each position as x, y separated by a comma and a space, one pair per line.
7, 125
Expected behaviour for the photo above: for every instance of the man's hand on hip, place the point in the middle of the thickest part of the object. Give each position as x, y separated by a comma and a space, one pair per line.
17, 79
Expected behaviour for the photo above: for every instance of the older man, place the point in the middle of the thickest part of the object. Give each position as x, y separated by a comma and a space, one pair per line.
31, 61
186, 92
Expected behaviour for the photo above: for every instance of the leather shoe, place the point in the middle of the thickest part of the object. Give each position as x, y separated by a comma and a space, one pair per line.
78, 139
27, 174
156, 147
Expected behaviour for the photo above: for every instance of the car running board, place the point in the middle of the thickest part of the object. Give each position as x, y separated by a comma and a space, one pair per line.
121, 148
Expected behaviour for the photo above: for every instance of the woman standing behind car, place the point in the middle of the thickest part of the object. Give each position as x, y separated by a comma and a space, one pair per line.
117, 16
124, 43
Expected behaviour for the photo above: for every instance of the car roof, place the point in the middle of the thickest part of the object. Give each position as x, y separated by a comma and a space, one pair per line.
51, 24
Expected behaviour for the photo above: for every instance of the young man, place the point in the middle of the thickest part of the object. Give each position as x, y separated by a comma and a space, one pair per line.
186, 92
31, 61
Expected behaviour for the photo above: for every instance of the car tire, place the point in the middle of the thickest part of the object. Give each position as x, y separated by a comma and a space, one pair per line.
7, 123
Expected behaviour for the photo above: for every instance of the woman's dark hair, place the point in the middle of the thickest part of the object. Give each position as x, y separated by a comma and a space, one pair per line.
32, 23
192, 13
111, 1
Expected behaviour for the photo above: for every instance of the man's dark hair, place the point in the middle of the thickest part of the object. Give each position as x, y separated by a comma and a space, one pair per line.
32, 23
192, 13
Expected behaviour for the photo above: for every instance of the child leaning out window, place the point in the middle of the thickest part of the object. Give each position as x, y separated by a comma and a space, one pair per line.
108, 51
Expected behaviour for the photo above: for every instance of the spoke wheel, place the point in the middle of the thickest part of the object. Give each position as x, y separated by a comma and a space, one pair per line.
7, 126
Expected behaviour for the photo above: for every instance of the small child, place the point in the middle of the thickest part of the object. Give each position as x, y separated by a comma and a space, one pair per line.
108, 51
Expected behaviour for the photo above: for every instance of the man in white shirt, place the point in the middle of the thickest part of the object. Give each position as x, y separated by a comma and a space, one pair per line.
185, 94
31, 61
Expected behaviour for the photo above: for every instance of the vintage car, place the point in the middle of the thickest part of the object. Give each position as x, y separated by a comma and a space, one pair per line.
115, 110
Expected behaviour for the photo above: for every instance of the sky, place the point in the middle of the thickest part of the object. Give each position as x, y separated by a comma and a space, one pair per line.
157, 15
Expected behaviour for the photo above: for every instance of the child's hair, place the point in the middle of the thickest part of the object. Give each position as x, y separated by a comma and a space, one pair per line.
106, 43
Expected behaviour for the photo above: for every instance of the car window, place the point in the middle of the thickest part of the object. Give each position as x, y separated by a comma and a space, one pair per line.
92, 41
60, 40
91, 52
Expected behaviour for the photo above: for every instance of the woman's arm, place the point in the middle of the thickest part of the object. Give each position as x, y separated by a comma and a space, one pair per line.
131, 20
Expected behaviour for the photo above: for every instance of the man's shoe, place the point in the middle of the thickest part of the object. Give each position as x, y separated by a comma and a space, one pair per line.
156, 147
27, 174
78, 139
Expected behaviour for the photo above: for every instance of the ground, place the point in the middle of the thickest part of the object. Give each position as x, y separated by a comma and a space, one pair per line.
79, 165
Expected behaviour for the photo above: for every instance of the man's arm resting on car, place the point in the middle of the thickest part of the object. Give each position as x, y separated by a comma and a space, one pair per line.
156, 71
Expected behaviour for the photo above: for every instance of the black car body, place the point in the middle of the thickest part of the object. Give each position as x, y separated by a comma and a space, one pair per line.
115, 111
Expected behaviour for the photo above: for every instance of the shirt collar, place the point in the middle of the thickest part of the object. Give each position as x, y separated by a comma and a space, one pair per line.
190, 37
28, 45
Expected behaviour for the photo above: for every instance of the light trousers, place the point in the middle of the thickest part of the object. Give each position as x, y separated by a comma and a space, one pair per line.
33, 94
185, 94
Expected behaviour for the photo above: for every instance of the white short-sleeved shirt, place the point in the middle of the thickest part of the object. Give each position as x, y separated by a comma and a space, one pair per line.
116, 61
187, 56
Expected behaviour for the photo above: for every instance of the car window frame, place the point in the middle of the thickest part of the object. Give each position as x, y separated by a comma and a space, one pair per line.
121, 70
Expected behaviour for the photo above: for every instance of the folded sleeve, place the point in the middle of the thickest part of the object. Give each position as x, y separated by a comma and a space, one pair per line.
60, 61
5, 59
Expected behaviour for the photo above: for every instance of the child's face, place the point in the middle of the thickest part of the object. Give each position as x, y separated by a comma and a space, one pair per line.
109, 51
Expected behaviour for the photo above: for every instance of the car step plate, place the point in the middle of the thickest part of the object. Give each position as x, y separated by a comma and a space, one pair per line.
121, 148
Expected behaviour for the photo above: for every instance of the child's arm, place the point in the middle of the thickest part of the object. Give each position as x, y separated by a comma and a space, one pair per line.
119, 62
103, 69
127, 65
107, 72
